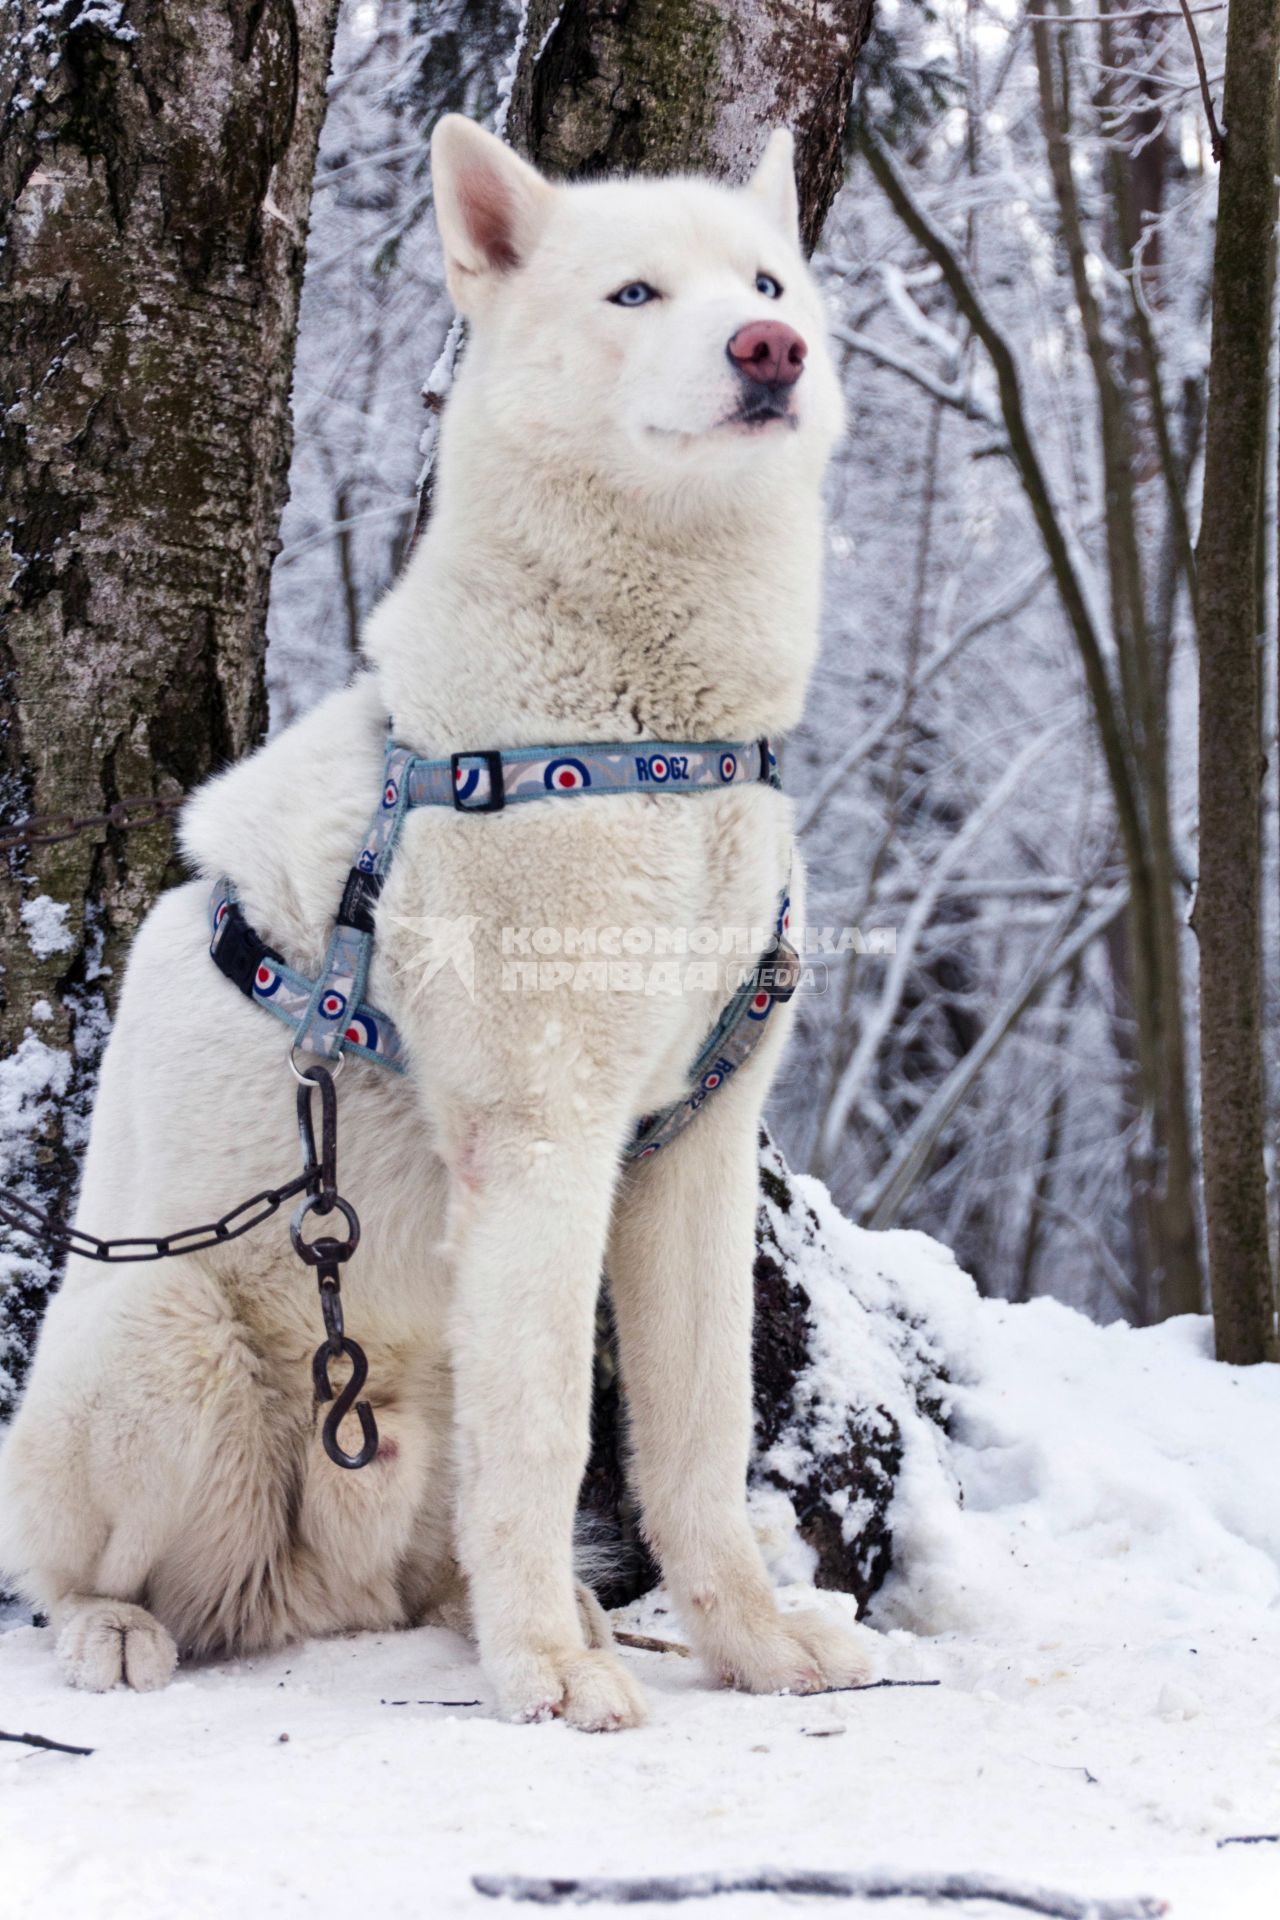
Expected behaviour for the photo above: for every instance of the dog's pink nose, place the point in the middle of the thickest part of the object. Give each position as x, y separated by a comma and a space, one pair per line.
769, 352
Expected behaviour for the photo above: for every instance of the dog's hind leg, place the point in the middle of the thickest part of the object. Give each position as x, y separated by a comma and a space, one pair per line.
147, 1483
680, 1278
77, 1529
87, 1570
102, 1643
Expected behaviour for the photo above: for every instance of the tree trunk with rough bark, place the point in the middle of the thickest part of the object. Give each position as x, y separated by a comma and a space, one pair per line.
669, 86
1228, 904
155, 175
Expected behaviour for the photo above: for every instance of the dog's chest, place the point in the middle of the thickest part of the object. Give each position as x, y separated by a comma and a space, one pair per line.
619, 924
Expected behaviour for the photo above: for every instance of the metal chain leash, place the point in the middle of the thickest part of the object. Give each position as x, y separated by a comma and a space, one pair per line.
318, 1185
59, 1237
48, 829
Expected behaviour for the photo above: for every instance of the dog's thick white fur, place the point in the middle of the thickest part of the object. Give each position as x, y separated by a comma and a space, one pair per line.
613, 555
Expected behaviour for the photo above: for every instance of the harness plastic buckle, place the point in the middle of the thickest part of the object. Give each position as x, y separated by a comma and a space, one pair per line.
777, 972
497, 795
239, 951
359, 898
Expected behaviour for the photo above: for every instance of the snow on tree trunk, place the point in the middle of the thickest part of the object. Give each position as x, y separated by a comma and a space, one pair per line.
845, 1374
842, 1367
155, 173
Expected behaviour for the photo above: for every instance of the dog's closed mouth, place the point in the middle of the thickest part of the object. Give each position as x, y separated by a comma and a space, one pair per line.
754, 418
765, 412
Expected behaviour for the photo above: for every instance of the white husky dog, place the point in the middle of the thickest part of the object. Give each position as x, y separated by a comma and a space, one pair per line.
626, 546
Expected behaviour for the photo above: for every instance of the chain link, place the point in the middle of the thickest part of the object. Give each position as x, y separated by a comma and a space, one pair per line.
48, 829
56, 1235
318, 1180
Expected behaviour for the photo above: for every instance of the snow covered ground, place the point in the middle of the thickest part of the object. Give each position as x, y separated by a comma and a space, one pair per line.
1102, 1614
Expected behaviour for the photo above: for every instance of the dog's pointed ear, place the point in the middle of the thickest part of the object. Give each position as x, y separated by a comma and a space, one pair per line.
774, 182
490, 206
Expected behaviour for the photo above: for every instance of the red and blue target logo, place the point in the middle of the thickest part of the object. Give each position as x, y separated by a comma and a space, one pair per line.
465, 781
220, 913
566, 776
390, 794
266, 981
759, 1006
362, 1032
784, 918
716, 1077
728, 765
647, 1153
332, 1005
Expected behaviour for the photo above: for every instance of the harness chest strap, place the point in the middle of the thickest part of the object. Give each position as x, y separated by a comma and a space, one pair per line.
328, 1015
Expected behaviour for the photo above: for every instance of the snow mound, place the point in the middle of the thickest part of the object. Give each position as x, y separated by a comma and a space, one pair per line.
1120, 1469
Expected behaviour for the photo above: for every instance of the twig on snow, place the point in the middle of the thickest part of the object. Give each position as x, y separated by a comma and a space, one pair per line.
47, 1746
1250, 1840
648, 1644
667, 1888
428, 1703
869, 1686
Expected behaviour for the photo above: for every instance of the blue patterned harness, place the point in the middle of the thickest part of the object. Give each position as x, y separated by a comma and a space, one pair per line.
328, 1016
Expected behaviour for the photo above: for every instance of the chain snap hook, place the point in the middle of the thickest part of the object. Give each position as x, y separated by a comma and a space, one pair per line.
326, 1254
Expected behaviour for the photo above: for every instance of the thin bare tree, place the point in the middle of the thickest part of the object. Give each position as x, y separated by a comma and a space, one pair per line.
1125, 668
1228, 913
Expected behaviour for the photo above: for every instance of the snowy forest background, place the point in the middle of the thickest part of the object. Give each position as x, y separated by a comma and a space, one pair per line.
988, 1082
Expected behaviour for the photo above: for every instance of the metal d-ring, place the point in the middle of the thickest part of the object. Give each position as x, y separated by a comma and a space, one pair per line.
325, 1251
308, 1078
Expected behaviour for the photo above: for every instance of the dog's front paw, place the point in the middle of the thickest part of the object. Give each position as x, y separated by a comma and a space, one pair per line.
104, 1642
799, 1653
590, 1690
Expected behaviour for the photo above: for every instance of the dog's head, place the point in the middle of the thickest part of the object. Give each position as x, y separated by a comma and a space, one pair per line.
647, 331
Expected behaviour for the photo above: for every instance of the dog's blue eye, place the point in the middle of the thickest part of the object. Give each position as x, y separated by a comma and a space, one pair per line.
637, 293
768, 286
